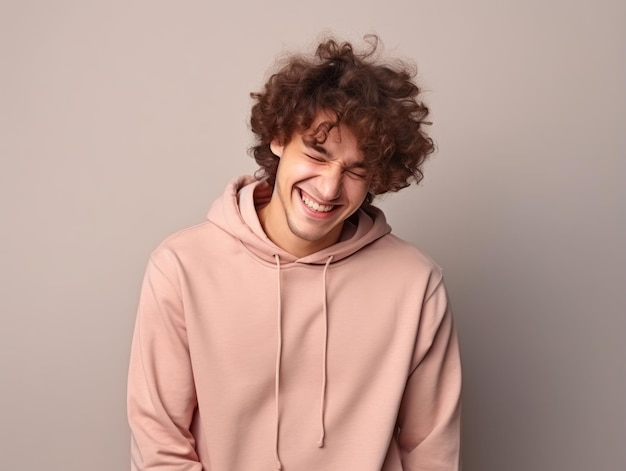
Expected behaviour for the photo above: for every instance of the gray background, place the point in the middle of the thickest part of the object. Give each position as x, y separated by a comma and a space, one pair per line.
121, 121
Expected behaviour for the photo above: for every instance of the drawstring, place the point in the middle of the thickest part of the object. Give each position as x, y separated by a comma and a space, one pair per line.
279, 349
320, 443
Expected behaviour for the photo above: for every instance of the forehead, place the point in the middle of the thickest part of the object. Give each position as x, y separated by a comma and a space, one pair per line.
336, 141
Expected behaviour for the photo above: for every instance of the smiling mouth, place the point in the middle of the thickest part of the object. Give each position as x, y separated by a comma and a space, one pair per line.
320, 208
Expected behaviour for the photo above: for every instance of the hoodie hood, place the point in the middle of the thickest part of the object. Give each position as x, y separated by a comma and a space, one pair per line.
235, 213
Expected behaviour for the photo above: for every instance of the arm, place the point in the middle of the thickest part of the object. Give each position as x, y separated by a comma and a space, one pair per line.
429, 415
161, 393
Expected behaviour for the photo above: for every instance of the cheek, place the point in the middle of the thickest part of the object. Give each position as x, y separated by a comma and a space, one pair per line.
294, 169
357, 190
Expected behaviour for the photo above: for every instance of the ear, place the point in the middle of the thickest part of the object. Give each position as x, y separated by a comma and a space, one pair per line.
277, 148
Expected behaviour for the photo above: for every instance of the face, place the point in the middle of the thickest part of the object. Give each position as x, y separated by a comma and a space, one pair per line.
318, 186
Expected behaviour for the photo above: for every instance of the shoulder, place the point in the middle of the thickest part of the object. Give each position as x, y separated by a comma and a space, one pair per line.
393, 261
405, 254
191, 242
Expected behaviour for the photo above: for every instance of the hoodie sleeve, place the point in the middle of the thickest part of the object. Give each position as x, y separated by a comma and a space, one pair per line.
161, 392
429, 415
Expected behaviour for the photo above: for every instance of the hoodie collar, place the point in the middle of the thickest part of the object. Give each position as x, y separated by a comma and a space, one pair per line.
235, 212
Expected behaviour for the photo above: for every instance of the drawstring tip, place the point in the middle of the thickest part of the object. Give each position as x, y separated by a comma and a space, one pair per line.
320, 444
279, 465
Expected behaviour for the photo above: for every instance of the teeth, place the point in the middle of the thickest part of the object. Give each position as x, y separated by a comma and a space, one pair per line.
322, 208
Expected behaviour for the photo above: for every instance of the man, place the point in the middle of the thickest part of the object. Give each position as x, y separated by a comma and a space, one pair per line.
292, 330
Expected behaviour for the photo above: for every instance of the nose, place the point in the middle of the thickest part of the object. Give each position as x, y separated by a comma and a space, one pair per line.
330, 182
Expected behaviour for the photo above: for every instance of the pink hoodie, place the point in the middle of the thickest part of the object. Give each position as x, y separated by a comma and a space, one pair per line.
247, 358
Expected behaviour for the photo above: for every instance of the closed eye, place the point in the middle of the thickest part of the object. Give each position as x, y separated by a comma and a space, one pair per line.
315, 158
357, 171
359, 174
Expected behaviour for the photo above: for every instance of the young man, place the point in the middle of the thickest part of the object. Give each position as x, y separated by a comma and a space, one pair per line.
292, 330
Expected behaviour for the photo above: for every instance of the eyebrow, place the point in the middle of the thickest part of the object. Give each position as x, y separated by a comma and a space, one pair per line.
318, 148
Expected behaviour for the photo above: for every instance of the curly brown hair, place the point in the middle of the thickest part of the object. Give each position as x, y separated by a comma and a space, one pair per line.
378, 101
